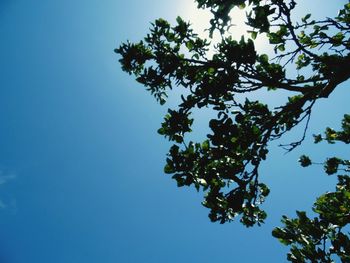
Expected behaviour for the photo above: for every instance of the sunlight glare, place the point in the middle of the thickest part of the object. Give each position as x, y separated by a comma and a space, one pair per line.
200, 22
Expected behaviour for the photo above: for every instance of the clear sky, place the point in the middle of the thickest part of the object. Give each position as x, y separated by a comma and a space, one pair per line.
81, 163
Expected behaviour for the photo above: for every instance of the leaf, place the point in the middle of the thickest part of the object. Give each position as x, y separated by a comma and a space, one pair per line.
281, 47
168, 169
242, 6
205, 145
264, 58
305, 18
189, 45
161, 131
304, 161
253, 34
331, 165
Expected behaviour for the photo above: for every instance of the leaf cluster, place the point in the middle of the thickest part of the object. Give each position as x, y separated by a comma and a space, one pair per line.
225, 166
324, 237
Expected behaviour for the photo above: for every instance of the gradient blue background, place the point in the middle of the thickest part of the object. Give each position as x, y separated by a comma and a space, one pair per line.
81, 163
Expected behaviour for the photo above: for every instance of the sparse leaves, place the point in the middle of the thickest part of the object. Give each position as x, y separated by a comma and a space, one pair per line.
320, 239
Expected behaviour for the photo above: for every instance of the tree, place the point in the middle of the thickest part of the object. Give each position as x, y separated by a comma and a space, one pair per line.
311, 60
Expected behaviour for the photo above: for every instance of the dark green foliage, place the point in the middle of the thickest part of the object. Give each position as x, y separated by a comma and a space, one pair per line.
326, 236
175, 125
225, 164
304, 161
331, 136
322, 238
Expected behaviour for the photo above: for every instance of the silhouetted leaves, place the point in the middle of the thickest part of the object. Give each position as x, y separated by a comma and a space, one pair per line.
320, 239
323, 238
225, 165
304, 161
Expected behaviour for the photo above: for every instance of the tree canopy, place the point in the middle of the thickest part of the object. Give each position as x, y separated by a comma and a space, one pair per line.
311, 58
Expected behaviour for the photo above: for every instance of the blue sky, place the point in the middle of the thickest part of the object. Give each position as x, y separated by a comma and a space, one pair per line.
81, 163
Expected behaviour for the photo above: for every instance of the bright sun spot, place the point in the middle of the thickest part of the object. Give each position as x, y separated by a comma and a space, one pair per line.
200, 22
199, 19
